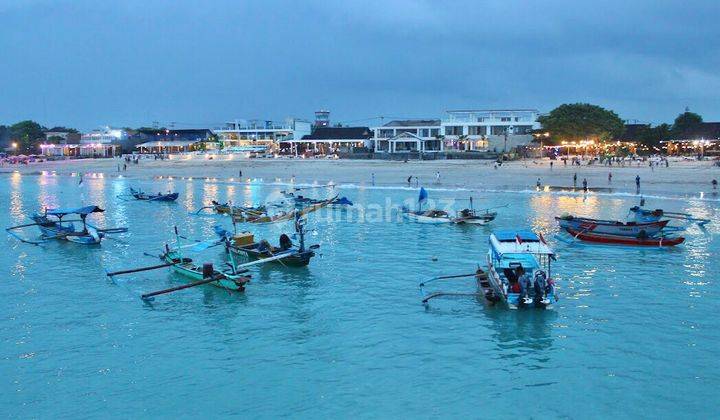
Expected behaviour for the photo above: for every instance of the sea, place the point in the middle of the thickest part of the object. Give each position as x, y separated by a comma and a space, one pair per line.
635, 332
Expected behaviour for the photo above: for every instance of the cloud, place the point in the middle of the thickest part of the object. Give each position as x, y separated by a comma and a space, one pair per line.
87, 63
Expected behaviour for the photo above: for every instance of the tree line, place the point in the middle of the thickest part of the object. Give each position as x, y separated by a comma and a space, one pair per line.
567, 122
580, 121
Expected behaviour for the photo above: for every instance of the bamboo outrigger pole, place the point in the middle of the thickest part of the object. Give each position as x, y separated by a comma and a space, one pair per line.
149, 296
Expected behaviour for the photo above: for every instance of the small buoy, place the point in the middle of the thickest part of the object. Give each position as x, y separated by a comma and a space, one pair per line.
434, 258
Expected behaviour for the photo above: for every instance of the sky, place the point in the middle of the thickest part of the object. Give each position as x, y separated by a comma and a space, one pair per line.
90, 63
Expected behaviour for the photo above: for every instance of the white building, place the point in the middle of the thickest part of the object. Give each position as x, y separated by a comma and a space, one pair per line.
257, 135
105, 135
104, 142
494, 130
402, 136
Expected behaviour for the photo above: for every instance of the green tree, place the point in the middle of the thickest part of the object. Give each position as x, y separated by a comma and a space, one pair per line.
686, 122
28, 135
573, 122
651, 136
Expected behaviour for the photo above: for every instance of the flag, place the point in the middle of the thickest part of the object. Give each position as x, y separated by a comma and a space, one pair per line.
422, 198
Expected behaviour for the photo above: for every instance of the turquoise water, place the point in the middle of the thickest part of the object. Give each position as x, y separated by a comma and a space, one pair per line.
635, 332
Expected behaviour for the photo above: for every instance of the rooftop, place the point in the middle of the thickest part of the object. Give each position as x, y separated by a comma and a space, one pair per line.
413, 123
339, 133
706, 131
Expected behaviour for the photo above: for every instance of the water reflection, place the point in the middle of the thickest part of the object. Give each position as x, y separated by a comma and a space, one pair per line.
523, 333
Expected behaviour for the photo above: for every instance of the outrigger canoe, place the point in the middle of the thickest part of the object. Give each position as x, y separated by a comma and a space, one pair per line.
611, 227
52, 226
282, 216
143, 196
657, 241
243, 245
187, 268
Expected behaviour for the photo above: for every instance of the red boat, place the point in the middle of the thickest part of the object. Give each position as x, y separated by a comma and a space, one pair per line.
625, 240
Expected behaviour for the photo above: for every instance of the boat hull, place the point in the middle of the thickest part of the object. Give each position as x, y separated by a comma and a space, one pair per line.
139, 195
188, 269
625, 240
605, 227
420, 218
250, 253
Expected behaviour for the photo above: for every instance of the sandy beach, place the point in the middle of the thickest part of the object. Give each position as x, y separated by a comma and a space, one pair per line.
683, 178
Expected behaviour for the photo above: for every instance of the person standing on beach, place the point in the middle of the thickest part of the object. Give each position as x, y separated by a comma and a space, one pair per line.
437, 177
538, 183
575, 180
585, 189
373, 178
551, 165
409, 179
714, 184
637, 184
609, 177
240, 173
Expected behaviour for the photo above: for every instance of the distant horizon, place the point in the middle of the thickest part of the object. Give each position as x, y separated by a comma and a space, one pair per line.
88, 64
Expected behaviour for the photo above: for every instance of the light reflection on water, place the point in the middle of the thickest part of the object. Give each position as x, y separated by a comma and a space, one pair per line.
348, 335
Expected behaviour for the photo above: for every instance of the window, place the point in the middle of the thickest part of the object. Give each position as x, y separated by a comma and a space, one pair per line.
453, 130
477, 130
498, 130
424, 132
434, 132
385, 133
505, 119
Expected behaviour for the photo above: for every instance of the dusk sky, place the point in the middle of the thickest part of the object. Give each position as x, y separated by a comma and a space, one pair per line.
198, 63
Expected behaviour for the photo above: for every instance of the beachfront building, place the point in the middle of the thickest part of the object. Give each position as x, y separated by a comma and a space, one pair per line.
104, 142
330, 141
488, 130
260, 135
702, 140
166, 141
60, 141
412, 135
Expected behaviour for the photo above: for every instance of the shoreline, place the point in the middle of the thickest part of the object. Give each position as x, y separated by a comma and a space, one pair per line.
683, 179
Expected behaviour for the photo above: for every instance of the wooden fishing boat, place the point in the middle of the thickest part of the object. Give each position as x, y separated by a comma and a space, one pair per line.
184, 266
233, 278
244, 247
611, 227
518, 273
431, 216
598, 238
337, 202
282, 216
471, 216
143, 196
52, 226
227, 208
642, 215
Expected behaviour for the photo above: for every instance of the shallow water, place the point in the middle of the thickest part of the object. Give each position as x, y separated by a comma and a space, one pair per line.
635, 332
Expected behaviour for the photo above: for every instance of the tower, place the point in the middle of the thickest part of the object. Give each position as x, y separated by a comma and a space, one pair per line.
322, 119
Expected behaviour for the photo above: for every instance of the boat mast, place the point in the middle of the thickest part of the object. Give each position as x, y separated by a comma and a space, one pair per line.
300, 230
177, 242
